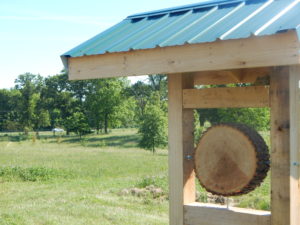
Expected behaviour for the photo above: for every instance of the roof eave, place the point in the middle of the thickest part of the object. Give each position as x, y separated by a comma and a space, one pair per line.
274, 50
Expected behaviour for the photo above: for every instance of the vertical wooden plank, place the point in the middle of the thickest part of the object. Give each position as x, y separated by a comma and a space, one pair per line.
280, 146
189, 189
180, 135
175, 150
285, 139
294, 144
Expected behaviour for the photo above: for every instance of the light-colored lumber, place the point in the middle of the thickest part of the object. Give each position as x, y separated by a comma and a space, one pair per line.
210, 214
175, 150
181, 174
237, 97
295, 144
189, 187
280, 146
264, 51
249, 75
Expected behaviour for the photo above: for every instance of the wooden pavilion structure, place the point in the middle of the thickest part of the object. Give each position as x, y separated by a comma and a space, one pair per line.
218, 42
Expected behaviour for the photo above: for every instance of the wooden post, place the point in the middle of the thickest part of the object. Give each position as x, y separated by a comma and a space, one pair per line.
181, 148
284, 100
295, 144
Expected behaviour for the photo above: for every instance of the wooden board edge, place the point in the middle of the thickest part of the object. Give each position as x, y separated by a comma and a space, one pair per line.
228, 97
211, 214
248, 75
274, 50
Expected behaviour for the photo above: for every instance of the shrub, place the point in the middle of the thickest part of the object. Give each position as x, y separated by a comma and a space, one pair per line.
32, 174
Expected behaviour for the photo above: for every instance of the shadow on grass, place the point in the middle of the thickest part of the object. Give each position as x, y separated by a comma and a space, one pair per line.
102, 140
125, 141
15, 137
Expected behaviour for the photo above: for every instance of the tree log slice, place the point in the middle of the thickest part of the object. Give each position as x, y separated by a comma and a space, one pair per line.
231, 159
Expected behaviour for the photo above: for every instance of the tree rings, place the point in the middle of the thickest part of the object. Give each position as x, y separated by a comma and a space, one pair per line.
231, 159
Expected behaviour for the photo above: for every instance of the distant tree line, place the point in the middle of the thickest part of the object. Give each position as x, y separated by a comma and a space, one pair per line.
37, 103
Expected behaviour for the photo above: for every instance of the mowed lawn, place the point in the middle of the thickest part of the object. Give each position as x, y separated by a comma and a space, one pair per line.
95, 180
80, 182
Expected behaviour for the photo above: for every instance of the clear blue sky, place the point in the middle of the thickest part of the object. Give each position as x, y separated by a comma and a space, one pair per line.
34, 33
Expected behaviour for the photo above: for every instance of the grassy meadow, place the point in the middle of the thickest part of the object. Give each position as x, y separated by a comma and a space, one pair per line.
100, 179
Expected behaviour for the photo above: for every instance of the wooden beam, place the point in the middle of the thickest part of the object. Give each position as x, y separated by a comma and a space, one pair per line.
237, 97
264, 51
230, 76
181, 168
294, 144
189, 186
285, 136
175, 150
210, 214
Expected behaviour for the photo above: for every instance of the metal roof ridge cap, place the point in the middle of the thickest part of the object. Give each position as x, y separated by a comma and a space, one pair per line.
205, 4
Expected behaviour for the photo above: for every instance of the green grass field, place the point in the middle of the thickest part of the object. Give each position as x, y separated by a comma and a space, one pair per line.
96, 180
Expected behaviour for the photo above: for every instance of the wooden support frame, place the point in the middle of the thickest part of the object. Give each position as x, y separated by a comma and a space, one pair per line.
279, 49
284, 100
181, 149
285, 152
249, 75
237, 97
211, 214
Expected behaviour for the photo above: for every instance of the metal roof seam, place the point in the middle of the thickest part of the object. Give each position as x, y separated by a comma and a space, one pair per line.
126, 36
143, 30
218, 21
164, 29
196, 21
276, 17
222, 37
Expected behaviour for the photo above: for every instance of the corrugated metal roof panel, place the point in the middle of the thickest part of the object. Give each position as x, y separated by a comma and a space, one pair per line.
196, 23
269, 10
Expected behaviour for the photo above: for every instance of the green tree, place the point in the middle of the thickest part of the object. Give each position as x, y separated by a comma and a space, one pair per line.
58, 100
258, 118
124, 115
78, 124
153, 127
9, 117
103, 100
41, 119
141, 92
29, 86
158, 83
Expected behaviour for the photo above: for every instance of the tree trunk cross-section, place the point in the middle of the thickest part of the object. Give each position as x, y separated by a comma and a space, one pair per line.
231, 159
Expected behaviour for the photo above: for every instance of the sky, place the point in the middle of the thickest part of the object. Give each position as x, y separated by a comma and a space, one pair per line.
34, 33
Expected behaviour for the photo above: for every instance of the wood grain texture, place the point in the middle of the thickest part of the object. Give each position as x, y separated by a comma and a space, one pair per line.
210, 214
226, 159
249, 75
175, 150
189, 187
294, 144
279, 49
238, 97
181, 170
280, 146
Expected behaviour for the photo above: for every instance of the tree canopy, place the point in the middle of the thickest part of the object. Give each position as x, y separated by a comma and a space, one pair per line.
37, 103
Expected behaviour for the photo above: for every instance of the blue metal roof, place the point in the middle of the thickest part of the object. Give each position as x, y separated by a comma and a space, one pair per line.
196, 23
